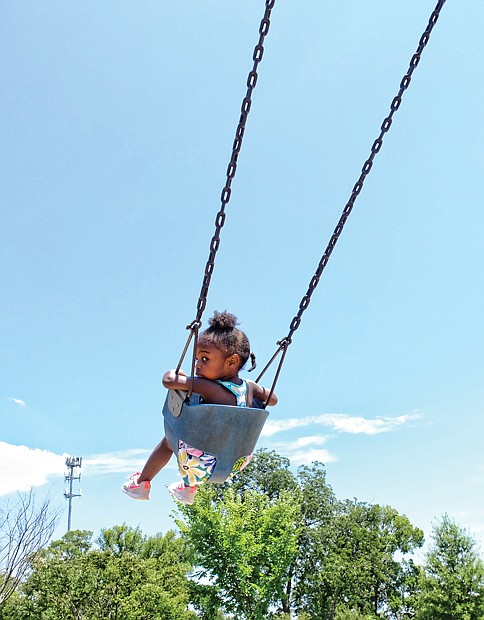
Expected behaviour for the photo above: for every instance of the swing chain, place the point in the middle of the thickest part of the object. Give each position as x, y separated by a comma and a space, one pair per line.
377, 144
232, 167
257, 55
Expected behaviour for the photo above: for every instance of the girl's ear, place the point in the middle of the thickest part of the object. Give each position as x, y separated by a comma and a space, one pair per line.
234, 360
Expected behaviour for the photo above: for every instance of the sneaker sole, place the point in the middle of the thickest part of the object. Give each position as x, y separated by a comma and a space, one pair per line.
181, 499
135, 495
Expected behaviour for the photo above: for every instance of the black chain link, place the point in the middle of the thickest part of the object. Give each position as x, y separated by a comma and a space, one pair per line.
232, 167
377, 144
227, 191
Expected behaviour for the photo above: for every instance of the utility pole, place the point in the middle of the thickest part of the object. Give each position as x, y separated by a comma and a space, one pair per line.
72, 463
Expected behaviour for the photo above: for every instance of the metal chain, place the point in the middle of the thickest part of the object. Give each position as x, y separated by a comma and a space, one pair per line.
376, 147
231, 170
232, 167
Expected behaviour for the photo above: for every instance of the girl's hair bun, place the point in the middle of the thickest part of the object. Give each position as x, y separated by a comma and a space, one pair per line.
223, 333
223, 320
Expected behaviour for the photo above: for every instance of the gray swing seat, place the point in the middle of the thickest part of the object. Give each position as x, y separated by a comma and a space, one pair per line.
226, 432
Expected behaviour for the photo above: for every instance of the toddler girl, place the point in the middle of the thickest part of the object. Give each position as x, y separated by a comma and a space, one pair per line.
222, 350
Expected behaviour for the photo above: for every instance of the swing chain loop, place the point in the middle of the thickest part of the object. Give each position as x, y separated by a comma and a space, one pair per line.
284, 343
232, 167
377, 144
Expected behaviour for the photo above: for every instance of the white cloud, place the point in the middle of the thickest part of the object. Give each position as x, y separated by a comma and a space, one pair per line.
304, 450
272, 427
18, 402
341, 422
301, 442
126, 461
306, 457
304, 442
23, 467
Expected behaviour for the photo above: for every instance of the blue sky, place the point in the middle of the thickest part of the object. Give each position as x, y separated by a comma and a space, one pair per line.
117, 120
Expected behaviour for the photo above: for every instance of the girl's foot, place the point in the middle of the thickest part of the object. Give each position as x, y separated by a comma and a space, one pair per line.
135, 490
182, 493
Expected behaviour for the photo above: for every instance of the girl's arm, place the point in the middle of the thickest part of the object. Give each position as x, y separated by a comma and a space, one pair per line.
212, 392
262, 393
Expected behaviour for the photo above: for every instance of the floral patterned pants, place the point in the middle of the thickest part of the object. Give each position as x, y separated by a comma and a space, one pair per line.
196, 467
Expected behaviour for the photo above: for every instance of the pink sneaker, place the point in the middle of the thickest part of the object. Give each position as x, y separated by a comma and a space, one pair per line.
182, 493
135, 490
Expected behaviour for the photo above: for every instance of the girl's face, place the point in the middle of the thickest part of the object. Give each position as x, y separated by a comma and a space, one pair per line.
213, 364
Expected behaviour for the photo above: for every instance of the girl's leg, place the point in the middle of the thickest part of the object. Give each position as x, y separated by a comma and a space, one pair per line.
156, 461
239, 466
195, 468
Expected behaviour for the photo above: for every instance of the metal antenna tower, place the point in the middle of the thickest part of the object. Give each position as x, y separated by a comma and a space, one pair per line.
72, 462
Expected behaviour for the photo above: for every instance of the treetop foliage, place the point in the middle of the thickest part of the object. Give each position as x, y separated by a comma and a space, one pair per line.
269, 544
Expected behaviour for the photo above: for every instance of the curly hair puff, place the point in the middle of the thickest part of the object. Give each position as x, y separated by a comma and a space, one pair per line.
223, 333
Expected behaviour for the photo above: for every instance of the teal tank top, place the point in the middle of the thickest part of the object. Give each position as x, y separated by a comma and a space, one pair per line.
239, 391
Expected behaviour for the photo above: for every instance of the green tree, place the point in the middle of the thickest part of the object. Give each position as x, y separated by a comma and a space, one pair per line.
125, 577
345, 613
345, 558
319, 508
350, 565
452, 585
244, 544
268, 473
121, 539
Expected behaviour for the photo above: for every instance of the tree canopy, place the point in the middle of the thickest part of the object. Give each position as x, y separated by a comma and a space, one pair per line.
452, 584
270, 543
126, 576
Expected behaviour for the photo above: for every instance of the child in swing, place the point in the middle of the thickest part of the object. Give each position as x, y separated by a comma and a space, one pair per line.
222, 350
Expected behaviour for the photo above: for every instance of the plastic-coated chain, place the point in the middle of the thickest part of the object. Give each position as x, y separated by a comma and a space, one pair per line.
232, 167
231, 170
376, 147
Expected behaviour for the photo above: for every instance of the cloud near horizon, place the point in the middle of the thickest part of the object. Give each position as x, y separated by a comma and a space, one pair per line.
23, 467
18, 402
304, 450
124, 461
340, 422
